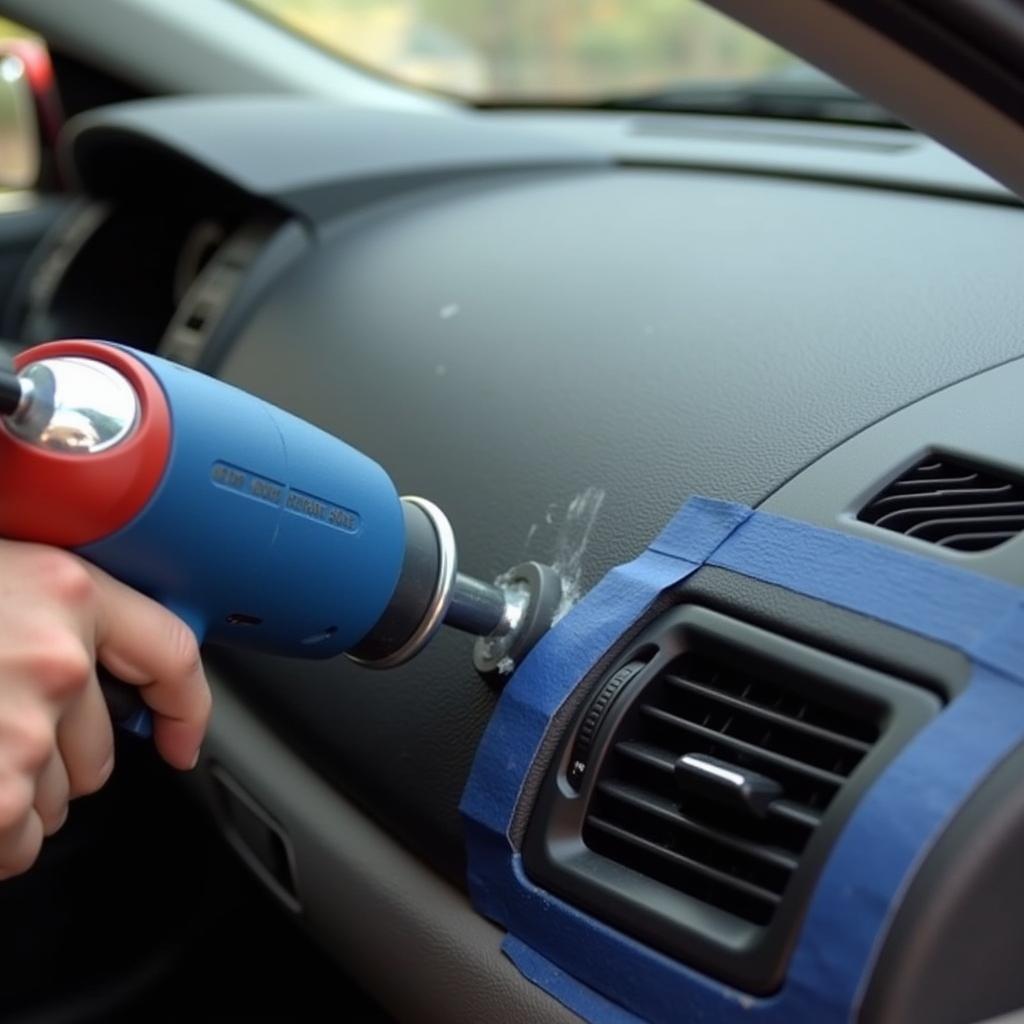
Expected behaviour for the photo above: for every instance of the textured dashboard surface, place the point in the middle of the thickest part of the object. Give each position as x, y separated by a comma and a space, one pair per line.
531, 350
411, 938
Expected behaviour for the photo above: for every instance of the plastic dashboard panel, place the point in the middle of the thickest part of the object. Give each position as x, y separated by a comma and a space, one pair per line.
570, 334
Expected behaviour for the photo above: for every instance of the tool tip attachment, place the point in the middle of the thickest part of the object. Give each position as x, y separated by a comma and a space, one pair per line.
533, 592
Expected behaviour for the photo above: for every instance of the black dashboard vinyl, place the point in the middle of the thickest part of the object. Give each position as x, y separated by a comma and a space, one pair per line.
505, 348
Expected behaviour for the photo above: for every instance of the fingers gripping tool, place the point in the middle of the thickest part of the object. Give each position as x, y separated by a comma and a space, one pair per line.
255, 527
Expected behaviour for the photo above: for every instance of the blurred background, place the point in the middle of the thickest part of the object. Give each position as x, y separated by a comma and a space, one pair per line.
9, 28
536, 50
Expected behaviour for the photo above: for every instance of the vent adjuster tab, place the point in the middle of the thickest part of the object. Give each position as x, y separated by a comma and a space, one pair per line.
718, 780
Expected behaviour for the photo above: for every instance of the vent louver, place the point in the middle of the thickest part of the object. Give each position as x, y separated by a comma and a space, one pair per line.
719, 852
950, 503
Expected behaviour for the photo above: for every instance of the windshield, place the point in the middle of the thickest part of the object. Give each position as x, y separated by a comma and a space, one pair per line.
670, 54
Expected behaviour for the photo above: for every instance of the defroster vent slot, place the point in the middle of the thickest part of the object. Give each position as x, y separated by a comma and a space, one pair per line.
952, 503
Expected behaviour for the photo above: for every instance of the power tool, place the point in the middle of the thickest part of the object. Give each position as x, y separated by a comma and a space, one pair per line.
257, 528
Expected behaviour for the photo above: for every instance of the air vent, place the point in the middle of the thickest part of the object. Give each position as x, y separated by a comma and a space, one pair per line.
714, 782
651, 814
951, 503
217, 285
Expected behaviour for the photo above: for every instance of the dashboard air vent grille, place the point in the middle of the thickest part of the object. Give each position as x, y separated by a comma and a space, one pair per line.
769, 760
695, 800
951, 503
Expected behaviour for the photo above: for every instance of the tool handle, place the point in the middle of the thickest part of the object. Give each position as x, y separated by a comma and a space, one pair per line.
128, 711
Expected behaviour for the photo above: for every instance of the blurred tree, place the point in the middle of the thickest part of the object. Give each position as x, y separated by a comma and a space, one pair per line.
566, 48
539, 49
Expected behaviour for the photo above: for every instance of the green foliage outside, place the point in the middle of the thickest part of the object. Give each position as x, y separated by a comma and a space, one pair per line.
19, 156
9, 28
534, 49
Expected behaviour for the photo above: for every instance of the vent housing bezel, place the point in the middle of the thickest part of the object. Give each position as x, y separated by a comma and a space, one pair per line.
749, 955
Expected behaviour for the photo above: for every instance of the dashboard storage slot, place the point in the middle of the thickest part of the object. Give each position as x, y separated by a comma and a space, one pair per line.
952, 503
260, 840
715, 781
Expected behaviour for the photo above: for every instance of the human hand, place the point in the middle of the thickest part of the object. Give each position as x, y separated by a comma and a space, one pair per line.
58, 616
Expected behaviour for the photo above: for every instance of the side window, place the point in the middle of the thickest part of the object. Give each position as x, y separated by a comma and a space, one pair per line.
29, 108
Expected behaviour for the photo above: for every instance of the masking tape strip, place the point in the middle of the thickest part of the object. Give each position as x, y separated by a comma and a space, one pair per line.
610, 978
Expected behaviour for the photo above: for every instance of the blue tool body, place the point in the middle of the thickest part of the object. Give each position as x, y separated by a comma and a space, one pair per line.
264, 532
256, 528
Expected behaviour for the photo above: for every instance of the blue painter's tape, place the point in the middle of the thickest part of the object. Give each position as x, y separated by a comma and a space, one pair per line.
587, 1003
906, 590
138, 723
606, 976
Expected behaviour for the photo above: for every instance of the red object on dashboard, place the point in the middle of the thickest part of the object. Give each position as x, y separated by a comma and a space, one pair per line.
70, 500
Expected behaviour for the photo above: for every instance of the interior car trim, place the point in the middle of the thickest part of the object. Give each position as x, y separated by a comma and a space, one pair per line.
43, 273
910, 84
958, 958
214, 303
970, 45
260, 840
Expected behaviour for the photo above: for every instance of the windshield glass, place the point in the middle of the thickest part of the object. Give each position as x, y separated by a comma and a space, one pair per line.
673, 54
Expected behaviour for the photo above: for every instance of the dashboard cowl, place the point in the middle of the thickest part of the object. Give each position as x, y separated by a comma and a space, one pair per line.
319, 158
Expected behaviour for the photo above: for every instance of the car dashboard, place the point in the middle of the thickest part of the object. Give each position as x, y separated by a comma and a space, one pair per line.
560, 327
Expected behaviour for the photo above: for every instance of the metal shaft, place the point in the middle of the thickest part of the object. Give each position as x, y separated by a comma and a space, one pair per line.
10, 392
476, 607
